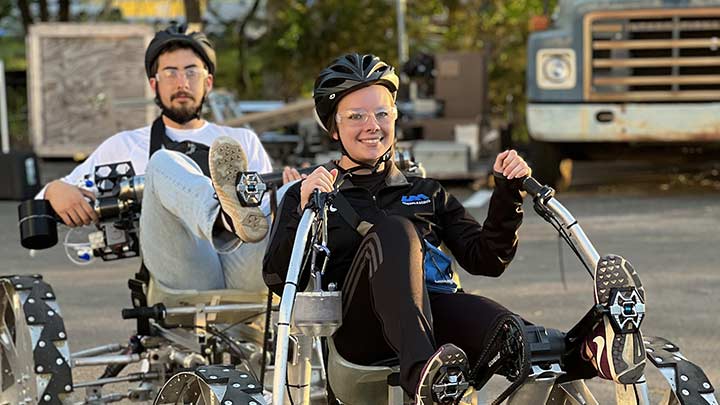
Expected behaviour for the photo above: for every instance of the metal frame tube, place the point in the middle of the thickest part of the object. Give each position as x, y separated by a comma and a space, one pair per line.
403, 49
642, 392
299, 374
286, 306
588, 253
113, 347
577, 392
114, 380
216, 309
105, 360
634, 394
105, 399
4, 131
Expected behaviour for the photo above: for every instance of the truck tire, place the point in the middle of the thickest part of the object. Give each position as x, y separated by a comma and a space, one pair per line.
549, 166
34, 353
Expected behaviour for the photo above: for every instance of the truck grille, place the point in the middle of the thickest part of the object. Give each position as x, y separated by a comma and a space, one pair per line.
652, 55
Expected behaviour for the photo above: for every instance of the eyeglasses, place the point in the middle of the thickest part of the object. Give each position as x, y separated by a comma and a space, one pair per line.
383, 116
192, 74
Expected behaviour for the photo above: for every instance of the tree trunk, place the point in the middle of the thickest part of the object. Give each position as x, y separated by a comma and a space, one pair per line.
44, 15
64, 10
106, 9
27, 19
192, 11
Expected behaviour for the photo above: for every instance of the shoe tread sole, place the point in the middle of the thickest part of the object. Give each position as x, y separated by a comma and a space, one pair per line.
614, 272
226, 160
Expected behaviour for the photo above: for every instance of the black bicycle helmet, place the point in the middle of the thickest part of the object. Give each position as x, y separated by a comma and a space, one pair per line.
176, 34
348, 73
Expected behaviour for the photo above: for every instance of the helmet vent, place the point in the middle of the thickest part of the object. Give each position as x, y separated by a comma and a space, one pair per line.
342, 69
367, 61
334, 82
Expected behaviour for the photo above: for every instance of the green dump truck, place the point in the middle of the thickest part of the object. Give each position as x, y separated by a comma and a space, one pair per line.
611, 79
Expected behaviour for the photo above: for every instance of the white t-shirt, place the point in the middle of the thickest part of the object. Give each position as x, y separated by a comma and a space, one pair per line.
134, 146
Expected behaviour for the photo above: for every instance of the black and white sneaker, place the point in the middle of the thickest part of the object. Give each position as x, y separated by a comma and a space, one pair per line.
443, 379
226, 160
615, 347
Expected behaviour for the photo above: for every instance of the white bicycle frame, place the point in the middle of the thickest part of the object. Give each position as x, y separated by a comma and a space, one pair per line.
308, 316
285, 317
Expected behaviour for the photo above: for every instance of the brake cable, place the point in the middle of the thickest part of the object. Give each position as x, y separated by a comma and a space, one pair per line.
545, 213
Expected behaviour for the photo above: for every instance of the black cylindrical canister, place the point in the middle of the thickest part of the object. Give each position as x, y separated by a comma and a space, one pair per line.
38, 224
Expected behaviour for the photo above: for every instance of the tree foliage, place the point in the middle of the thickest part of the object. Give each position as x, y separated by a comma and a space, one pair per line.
43, 11
278, 47
6, 7
303, 36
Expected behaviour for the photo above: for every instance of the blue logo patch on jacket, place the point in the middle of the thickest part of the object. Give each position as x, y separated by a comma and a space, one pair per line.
417, 199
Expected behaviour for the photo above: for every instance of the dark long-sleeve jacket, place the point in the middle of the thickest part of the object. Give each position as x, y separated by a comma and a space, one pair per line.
437, 215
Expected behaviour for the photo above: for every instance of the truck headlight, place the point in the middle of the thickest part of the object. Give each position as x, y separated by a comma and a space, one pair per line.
556, 69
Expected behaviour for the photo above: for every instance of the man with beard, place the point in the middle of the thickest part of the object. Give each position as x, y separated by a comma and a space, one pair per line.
192, 226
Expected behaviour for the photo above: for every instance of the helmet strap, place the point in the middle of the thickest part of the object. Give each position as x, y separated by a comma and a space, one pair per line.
362, 165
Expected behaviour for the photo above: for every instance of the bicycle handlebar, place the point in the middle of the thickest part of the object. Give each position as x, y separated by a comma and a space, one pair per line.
276, 177
532, 186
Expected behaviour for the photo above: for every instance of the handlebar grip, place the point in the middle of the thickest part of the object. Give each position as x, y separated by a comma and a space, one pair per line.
156, 312
532, 186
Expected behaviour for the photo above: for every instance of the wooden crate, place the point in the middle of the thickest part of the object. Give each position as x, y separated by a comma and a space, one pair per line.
86, 82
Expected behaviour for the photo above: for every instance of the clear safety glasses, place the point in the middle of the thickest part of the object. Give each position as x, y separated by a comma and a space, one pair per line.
359, 117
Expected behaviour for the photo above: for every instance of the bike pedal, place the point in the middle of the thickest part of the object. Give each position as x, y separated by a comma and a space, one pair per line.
619, 289
626, 310
250, 189
443, 378
450, 387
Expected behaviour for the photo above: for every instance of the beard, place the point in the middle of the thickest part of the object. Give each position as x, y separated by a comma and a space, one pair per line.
184, 113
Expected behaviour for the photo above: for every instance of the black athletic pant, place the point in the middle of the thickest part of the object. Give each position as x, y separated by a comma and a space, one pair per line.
387, 311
